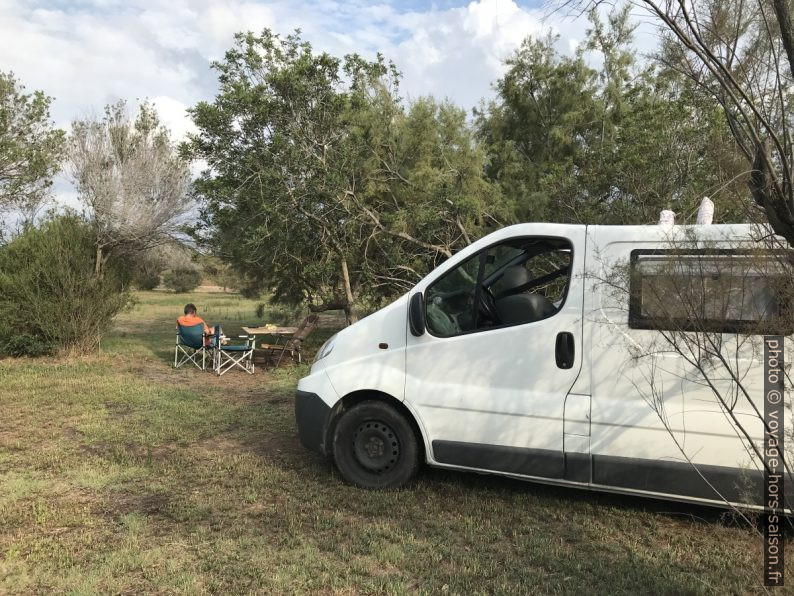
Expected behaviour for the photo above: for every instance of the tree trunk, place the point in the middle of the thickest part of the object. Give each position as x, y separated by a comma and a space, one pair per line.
778, 210
350, 313
783, 14
98, 264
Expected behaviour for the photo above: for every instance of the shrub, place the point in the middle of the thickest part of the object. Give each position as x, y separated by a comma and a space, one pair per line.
228, 279
250, 289
182, 280
24, 345
50, 297
280, 314
146, 281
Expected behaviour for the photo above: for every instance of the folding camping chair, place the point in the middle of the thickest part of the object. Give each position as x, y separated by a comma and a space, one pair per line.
189, 344
227, 356
293, 344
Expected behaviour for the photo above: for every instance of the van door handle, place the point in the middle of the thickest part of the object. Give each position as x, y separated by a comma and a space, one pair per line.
564, 349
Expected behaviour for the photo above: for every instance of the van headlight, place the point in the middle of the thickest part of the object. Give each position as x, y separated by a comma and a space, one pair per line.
325, 349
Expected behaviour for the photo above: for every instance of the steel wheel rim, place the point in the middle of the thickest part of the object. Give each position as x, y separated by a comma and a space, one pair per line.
376, 446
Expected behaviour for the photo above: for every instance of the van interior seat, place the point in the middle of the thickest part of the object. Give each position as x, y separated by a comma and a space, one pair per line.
440, 321
516, 308
513, 279
524, 308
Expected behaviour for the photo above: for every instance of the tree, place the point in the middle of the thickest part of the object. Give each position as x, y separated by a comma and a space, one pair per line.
740, 55
130, 176
544, 104
610, 145
279, 167
31, 149
427, 196
149, 264
310, 161
220, 273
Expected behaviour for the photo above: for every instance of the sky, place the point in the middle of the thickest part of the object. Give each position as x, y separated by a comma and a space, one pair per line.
88, 53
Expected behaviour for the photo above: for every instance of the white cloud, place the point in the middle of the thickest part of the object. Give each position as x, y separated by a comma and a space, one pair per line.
88, 54
459, 52
86, 60
174, 115
221, 21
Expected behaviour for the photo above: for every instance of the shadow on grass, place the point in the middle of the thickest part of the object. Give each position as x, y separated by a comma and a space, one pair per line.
321, 469
569, 495
550, 531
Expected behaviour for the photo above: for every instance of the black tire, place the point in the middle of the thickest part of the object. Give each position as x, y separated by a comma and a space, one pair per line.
374, 446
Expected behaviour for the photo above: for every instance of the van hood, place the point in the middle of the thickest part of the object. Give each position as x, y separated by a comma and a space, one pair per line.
387, 326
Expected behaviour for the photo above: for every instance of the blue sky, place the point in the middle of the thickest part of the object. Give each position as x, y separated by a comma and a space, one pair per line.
87, 53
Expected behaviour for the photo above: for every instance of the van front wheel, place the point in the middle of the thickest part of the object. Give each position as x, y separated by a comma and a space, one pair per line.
374, 446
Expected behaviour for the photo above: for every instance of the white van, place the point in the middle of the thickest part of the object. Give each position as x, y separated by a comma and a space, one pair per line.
512, 358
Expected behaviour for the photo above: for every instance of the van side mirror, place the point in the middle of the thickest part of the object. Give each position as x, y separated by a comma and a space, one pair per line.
416, 314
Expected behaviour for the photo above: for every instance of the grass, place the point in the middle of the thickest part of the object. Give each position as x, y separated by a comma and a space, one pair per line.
120, 474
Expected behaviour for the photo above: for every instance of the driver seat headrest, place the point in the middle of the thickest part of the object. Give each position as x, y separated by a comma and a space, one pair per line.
524, 308
514, 277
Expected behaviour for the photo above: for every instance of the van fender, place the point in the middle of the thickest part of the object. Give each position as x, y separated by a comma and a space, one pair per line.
351, 399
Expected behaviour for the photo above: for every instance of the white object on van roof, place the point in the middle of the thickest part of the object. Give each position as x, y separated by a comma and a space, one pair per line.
666, 218
705, 212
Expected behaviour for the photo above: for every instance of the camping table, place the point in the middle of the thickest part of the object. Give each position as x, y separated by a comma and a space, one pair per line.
279, 332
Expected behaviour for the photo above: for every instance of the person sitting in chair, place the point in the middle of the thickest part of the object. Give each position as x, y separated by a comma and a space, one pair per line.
190, 318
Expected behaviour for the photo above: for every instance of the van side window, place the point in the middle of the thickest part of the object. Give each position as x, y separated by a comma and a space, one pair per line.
719, 291
449, 302
519, 281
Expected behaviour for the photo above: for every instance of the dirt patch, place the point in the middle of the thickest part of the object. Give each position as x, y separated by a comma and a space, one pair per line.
261, 445
240, 386
133, 327
114, 451
149, 504
222, 443
286, 442
12, 440
280, 399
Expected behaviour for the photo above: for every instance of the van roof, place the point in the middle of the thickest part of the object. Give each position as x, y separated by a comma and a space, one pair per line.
652, 232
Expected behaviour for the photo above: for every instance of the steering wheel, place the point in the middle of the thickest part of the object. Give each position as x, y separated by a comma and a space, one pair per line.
487, 306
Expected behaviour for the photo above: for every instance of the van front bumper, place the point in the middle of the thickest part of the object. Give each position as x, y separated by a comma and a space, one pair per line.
312, 416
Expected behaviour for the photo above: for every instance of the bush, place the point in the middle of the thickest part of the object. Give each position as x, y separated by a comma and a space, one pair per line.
50, 297
280, 314
228, 279
24, 345
182, 280
146, 281
250, 288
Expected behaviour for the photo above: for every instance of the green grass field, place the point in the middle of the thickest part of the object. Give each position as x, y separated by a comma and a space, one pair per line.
120, 474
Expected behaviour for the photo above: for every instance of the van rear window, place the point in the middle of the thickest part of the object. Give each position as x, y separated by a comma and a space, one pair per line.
721, 291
